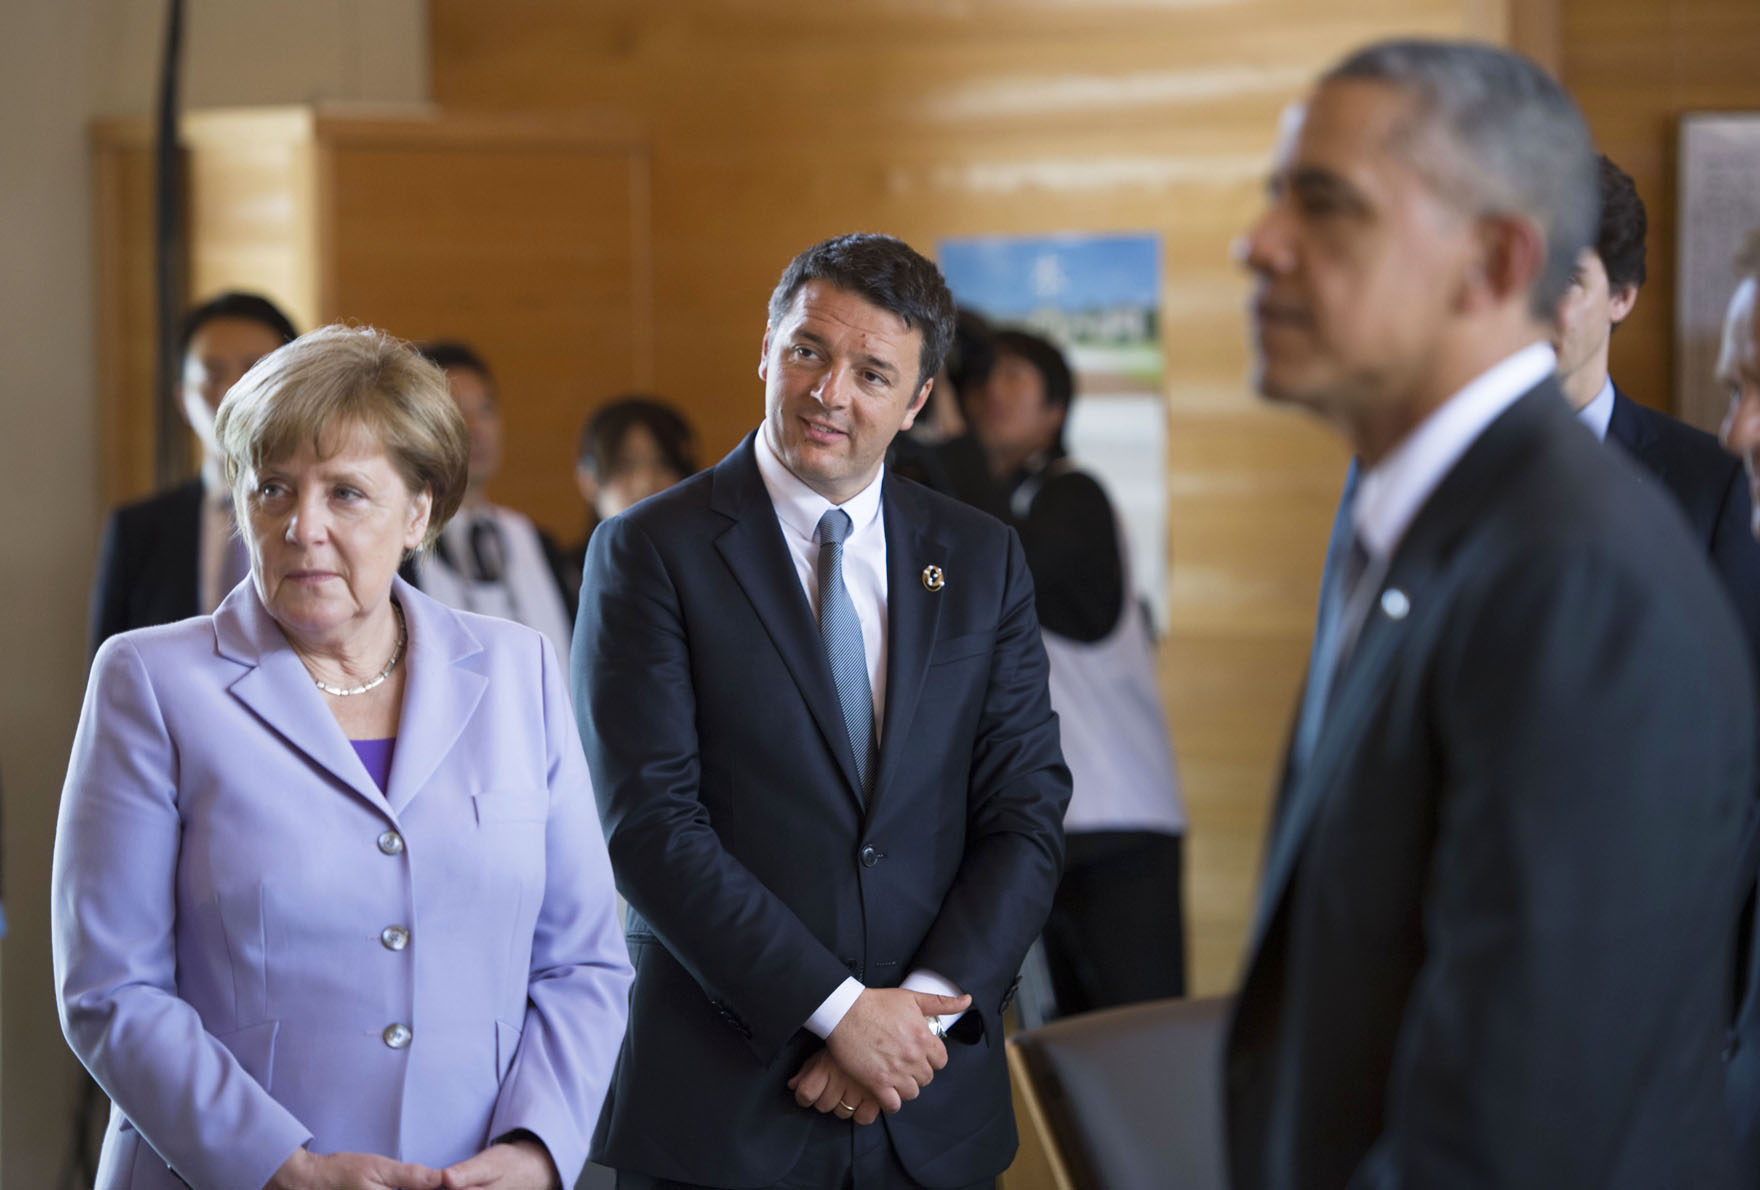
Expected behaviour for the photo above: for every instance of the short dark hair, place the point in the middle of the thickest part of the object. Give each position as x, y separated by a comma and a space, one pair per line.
603, 434
1495, 133
886, 272
1048, 361
972, 354
451, 353
246, 307
1620, 240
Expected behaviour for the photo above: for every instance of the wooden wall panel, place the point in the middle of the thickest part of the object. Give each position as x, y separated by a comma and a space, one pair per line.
777, 122
1636, 66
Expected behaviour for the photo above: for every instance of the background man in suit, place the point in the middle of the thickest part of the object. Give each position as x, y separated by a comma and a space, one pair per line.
1706, 482
1738, 370
814, 704
1492, 940
175, 554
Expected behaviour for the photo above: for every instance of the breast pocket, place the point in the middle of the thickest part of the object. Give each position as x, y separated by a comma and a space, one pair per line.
963, 647
512, 806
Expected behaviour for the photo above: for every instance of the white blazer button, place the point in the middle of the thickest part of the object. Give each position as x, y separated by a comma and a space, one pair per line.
394, 937
396, 1036
1394, 604
391, 843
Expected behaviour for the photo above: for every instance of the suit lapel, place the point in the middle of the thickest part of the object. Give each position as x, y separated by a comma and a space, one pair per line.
753, 548
912, 613
1417, 572
1628, 427
439, 694
277, 689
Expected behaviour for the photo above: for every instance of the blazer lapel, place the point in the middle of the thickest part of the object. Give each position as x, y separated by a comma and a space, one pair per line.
279, 691
440, 692
912, 613
753, 548
1416, 572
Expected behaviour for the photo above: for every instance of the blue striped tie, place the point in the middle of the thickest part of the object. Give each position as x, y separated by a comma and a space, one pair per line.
842, 632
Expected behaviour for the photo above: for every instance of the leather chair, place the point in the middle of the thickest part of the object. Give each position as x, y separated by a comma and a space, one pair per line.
1126, 1097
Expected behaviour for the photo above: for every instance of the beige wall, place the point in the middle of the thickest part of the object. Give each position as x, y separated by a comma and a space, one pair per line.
61, 63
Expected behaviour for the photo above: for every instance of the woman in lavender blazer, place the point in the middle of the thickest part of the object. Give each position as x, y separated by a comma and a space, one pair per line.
331, 902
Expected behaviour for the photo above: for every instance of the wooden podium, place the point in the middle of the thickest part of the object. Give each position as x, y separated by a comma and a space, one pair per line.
528, 237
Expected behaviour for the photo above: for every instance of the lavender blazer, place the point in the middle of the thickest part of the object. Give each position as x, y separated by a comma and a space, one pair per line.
226, 877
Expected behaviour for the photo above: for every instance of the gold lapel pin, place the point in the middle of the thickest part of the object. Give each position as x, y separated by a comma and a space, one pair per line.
933, 579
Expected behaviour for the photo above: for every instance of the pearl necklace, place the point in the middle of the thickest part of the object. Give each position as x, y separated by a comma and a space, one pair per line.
371, 683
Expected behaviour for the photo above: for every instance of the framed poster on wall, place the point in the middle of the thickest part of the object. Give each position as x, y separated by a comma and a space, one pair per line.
1719, 206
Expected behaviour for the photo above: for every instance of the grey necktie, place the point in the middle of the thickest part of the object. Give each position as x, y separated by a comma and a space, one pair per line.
841, 630
1332, 643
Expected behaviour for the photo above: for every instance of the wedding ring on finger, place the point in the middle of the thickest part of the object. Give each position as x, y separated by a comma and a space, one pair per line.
846, 1107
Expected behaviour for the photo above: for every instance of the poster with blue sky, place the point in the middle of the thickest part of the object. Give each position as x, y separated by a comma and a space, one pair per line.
1098, 297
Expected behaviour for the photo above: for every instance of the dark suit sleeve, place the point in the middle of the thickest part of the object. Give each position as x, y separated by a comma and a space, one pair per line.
1585, 825
1070, 536
1019, 788
1736, 557
635, 701
108, 611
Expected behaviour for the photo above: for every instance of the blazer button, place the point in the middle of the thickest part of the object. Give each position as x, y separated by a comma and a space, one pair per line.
396, 1036
394, 937
391, 843
870, 857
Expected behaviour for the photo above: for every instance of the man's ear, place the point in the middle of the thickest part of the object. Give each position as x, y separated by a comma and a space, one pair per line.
1512, 257
921, 399
1620, 302
764, 356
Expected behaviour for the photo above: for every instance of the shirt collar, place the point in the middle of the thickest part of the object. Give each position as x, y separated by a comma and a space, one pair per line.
1598, 414
1392, 492
799, 507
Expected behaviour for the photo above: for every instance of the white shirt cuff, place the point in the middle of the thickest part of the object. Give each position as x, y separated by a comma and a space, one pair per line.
830, 1014
925, 980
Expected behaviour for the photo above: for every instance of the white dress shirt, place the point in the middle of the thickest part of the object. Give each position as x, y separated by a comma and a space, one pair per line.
1598, 414
798, 509
526, 593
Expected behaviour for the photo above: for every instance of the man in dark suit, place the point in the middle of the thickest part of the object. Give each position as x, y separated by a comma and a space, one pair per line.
1738, 371
814, 703
1491, 944
174, 554
1705, 481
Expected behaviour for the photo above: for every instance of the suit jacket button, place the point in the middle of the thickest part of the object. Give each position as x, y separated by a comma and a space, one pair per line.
391, 843
396, 1036
871, 856
394, 937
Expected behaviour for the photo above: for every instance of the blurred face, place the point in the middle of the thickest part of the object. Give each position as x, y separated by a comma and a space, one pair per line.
327, 534
840, 380
638, 470
1009, 412
1738, 370
1356, 262
1586, 319
218, 354
482, 420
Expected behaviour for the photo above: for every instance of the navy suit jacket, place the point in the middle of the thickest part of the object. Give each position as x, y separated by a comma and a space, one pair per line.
1710, 487
1493, 947
757, 878
147, 564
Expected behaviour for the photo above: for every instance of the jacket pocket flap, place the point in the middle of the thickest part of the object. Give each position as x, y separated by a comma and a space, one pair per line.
512, 805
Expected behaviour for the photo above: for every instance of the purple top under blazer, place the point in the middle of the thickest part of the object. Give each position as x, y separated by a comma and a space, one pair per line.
232, 893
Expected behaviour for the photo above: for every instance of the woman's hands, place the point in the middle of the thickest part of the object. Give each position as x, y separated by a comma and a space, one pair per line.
516, 1165
512, 1165
306, 1170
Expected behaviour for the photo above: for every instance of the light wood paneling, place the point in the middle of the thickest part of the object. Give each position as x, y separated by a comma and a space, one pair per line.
1636, 66
777, 122
526, 236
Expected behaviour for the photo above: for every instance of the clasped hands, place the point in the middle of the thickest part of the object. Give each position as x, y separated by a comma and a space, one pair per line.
516, 1165
881, 1054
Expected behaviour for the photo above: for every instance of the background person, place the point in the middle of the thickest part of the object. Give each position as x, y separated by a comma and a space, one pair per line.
330, 903
489, 558
1492, 940
629, 449
1116, 933
1705, 481
813, 697
176, 554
